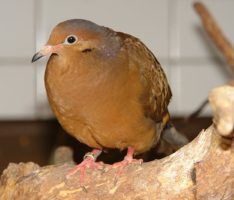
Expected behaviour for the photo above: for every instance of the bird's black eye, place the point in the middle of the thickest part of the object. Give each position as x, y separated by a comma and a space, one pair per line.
71, 39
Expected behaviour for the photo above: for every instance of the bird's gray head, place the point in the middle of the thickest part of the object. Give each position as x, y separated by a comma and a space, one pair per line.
80, 36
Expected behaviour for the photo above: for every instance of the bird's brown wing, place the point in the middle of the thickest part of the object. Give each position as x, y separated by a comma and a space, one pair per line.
157, 92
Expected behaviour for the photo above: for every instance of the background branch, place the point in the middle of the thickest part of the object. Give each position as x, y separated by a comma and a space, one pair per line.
215, 33
221, 42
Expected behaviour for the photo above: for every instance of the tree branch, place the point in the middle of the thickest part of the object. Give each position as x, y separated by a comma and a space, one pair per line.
203, 169
215, 33
219, 39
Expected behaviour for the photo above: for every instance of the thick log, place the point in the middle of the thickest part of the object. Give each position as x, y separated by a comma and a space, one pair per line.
203, 169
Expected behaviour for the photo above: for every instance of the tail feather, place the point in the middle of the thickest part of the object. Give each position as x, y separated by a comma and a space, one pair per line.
171, 140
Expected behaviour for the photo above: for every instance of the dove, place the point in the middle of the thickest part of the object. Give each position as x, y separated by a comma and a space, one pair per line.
106, 88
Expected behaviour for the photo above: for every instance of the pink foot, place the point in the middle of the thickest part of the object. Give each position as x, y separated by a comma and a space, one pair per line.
87, 163
128, 159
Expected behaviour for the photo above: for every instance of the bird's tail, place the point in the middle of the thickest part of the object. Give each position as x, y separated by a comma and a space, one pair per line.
171, 140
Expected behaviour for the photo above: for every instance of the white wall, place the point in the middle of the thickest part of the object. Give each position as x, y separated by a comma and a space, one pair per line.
170, 28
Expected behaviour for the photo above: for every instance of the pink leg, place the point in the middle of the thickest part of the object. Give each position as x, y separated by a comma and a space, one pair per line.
87, 163
128, 159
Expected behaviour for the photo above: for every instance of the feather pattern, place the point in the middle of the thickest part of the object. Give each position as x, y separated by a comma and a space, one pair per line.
157, 92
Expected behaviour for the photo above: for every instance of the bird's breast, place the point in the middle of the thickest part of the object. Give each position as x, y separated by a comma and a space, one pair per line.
104, 102
81, 89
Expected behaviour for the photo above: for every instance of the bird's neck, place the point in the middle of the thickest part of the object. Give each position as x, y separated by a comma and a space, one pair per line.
111, 44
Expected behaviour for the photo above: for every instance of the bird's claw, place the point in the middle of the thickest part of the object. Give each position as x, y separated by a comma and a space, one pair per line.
87, 163
120, 166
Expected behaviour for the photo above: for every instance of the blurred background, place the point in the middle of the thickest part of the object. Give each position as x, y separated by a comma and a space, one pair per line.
171, 29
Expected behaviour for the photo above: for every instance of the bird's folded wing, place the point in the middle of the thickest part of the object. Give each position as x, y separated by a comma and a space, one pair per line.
157, 92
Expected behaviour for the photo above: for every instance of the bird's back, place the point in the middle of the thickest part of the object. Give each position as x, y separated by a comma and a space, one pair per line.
157, 93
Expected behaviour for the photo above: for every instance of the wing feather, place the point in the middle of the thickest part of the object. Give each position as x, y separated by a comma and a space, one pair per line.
157, 92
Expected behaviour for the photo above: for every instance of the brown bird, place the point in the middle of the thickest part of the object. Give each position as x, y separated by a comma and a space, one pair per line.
106, 88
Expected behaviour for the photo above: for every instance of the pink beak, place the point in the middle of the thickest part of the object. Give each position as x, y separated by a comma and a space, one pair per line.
46, 50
